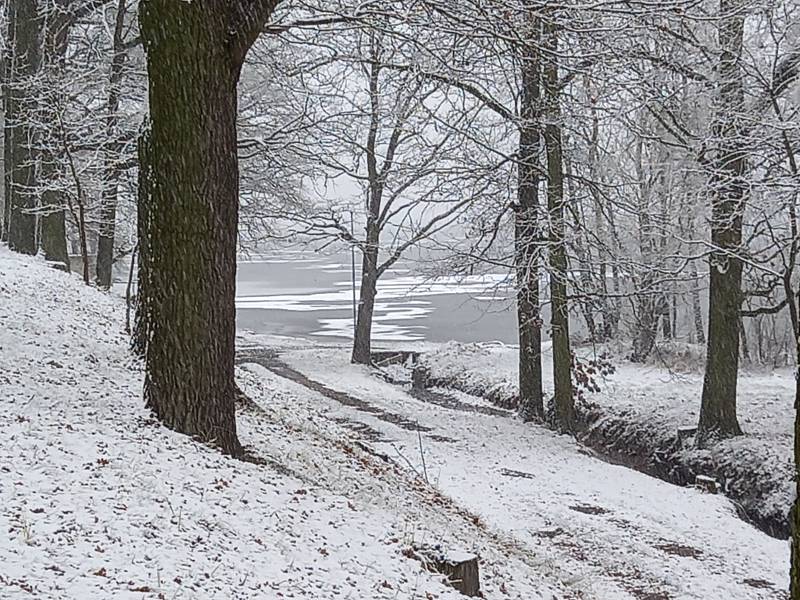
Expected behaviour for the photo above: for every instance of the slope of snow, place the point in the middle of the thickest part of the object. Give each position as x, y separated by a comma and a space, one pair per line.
616, 533
765, 398
642, 407
98, 501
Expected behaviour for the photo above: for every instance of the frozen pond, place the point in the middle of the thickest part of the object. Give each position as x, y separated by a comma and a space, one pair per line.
300, 294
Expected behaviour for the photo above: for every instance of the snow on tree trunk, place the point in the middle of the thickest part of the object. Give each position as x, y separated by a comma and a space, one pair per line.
108, 207
53, 205
526, 232
564, 403
728, 196
362, 345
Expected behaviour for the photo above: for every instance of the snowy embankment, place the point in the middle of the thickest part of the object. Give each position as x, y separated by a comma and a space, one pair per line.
97, 500
636, 415
615, 533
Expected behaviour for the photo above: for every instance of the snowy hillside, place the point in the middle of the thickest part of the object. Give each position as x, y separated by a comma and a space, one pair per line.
615, 532
99, 501
639, 409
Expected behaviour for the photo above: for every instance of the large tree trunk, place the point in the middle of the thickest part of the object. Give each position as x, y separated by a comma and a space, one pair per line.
793, 302
5, 72
108, 205
54, 205
728, 189
24, 39
564, 403
6, 216
794, 515
54, 231
362, 338
526, 233
194, 61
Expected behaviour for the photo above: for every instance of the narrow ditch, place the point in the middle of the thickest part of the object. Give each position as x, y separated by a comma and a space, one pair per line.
611, 438
606, 437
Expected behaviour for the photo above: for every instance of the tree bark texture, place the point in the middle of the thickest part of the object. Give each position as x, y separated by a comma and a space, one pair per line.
54, 205
527, 232
728, 195
362, 346
794, 514
25, 40
194, 51
141, 318
564, 403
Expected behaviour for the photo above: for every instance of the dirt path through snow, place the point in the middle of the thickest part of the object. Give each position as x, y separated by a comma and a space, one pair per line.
621, 535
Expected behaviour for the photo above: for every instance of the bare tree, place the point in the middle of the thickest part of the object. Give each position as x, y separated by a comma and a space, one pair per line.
392, 138
564, 401
527, 225
111, 155
728, 196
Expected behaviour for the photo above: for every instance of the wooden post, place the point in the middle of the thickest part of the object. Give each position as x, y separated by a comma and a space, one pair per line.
708, 484
460, 568
419, 377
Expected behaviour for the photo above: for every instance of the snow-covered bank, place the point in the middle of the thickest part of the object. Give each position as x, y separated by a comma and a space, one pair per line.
617, 532
97, 500
635, 417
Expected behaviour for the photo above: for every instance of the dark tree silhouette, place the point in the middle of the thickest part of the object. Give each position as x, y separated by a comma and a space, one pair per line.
526, 230
57, 22
563, 401
22, 64
794, 514
195, 51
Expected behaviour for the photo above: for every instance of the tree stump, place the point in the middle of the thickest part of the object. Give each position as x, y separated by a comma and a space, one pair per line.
708, 484
460, 568
419, 377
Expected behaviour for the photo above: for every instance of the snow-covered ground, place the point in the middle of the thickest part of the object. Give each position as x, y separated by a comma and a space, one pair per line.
643, 406
765, 399
614, 532
97, 500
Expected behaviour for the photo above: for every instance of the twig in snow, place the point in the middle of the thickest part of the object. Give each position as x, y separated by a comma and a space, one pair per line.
422, 456
408, 462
